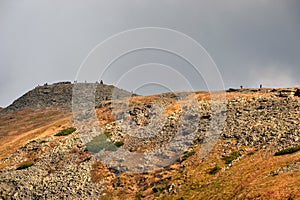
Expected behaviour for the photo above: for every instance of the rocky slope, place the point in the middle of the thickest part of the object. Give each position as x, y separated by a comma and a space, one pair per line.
61, 171
241, 165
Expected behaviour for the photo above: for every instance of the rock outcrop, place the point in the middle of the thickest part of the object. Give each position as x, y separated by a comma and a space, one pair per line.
268, 118
60, 95
262, 121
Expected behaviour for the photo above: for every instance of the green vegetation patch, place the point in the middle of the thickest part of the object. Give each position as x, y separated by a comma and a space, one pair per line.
66, 131
187, 155
233, 156
119, 144
139, 195
287, 151
214, 170
100, 142
108, 134
25, 165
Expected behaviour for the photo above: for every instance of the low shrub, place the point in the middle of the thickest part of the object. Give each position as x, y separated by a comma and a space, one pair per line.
66, 131
119, 144
25, 165
233, 156
214, 170
157, 189
288, 151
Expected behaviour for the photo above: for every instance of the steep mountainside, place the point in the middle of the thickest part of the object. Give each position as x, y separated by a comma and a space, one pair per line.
36, 164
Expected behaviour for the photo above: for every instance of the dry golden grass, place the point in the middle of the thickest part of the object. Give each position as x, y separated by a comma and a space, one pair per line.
143, 99
104, 115
19, 127
173, 107
248, 178
99, 172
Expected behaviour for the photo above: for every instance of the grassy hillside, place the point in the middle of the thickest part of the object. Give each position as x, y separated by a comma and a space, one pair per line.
18, 128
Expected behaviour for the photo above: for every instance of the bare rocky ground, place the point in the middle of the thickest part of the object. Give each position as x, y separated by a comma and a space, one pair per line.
61, 171
256, 120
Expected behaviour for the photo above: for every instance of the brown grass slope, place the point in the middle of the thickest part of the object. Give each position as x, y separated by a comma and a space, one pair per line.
18, 128
249, 178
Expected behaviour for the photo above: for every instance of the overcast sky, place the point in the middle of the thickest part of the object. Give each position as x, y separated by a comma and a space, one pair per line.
251, 42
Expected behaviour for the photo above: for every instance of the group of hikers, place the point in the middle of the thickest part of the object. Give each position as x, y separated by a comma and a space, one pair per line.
260, 86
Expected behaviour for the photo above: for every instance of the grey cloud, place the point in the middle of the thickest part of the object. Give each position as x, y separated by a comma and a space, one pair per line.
250, 41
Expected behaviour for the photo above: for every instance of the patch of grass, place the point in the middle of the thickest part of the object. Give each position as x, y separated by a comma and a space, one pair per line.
119, 144
96, 172
108, 134
195, 185
99, 143
99, 172
287, 151
233, 156
139, 195
214, 170
25, 165
187, 155
66, 131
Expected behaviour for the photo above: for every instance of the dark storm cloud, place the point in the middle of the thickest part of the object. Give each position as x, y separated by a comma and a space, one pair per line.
252, 42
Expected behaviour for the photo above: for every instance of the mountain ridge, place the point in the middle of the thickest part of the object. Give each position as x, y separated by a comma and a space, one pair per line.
59, 95
242, 165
